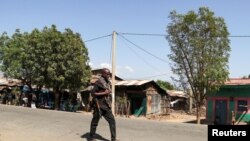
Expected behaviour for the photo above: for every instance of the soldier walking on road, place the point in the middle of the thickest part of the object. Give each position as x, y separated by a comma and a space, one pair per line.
102, 105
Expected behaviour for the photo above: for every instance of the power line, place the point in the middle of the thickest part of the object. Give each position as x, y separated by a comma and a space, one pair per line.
144, 34
143, 49
98, 38
152, 34
156, 75
240, 36
152, 76
139, 55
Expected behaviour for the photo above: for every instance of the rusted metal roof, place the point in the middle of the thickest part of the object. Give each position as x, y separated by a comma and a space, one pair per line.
132, 82
120, 83
123, 82
238, 81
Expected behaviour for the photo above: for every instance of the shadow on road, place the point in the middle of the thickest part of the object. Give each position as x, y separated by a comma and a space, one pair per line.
97, 136
203, 121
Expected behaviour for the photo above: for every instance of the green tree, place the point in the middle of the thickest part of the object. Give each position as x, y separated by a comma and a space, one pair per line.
199, 52
165, 85
12, 49
50, 58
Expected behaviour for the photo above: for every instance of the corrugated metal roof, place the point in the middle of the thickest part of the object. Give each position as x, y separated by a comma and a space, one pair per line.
131, 82
238, 81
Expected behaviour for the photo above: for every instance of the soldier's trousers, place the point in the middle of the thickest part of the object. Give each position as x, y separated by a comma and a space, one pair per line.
107, 114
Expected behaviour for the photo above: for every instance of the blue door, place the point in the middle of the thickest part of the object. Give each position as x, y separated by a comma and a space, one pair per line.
221, 111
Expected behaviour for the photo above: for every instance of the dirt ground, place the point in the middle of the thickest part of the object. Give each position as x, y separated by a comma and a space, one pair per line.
172, 117
180, 117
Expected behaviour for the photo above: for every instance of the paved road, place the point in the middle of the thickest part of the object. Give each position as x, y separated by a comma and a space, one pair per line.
25, 124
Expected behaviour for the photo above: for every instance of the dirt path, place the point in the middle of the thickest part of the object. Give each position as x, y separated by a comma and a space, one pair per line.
173, 117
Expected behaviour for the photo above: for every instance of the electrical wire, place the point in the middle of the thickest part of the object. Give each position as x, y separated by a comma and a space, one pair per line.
143, 49
98, 38
145, 34
139, 55
152, 34
152, 76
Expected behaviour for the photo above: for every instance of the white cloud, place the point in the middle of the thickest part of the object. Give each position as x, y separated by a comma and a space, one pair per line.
105, 65
120, 70
130, 69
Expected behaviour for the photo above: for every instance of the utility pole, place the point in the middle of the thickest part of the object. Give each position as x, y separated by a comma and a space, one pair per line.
113, 71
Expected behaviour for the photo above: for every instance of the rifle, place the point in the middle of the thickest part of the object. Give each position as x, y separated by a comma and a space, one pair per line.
98, 107
101, 83
94, 103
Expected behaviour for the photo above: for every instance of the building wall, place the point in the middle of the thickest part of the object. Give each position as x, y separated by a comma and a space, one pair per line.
232, 95
209, 114
153, 104
144, 99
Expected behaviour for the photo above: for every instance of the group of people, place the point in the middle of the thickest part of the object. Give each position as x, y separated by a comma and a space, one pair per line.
7, 96
19, 98
70, 103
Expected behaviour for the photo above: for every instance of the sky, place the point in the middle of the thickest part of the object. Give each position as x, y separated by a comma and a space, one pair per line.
137, 56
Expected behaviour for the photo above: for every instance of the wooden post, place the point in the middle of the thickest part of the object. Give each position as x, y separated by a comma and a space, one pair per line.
113, 71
